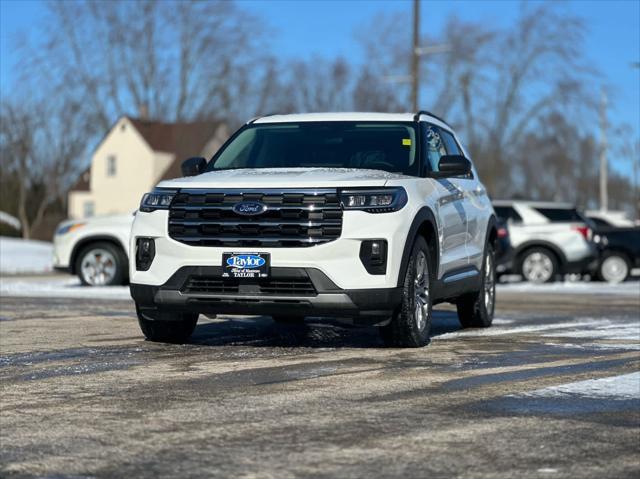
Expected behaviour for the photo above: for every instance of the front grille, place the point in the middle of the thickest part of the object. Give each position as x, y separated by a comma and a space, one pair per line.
284, 287
269, 287
293, 218
203, 284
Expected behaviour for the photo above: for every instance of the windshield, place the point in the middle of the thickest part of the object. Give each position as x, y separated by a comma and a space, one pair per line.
378, 146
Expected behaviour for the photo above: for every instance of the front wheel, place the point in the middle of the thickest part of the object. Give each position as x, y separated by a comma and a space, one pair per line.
411, 325
164, 328
476, 310
101, 264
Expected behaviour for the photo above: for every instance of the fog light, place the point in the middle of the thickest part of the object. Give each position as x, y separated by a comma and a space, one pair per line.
145, 252
373, 254
375, 250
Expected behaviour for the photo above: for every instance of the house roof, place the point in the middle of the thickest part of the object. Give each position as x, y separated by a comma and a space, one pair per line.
184, 140
82, 183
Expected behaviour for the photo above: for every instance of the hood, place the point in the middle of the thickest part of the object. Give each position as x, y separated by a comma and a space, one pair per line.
284, 178
99, 220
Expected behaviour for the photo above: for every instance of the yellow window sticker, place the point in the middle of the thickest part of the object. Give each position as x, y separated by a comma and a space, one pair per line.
406, 142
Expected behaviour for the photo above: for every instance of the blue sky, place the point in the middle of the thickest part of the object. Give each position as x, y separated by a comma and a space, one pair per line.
303, 28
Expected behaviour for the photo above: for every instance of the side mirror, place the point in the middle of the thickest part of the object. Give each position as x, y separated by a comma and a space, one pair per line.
453, 165
193, 166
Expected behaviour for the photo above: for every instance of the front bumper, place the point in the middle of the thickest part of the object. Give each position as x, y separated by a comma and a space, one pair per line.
362, 306
339, 260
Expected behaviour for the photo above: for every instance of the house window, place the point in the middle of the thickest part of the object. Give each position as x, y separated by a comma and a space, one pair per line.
111, 165
88, 209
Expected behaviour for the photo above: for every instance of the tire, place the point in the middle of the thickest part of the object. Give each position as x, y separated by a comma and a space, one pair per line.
288, 319
614, 267
539, 265
410, 326
175, 328
101, 264
476, 310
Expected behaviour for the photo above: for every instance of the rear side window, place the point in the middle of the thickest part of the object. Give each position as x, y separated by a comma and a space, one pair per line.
507, 213
450, 143
561, 215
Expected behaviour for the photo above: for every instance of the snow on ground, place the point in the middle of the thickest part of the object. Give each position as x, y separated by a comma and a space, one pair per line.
19, 256
603, 329
628, 288
605, 333
625, 386
59, 287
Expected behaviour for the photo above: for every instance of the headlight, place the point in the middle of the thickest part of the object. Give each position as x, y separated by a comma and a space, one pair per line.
380, 200
68, 228
158, 199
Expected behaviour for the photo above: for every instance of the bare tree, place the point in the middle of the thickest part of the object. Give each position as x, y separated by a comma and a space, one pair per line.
174, 60
493, 84
40, 150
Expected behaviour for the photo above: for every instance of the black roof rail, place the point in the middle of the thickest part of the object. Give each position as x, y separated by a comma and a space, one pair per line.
416, 117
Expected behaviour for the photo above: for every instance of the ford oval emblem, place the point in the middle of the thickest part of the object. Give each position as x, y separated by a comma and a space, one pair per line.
250, 208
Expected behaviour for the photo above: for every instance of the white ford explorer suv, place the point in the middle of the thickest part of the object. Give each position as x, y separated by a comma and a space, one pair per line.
367, 217
95, 249
549, 239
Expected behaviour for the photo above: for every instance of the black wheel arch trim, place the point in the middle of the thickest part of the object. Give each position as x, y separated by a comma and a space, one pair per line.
424, 215
80, 245
492, 227
617, 250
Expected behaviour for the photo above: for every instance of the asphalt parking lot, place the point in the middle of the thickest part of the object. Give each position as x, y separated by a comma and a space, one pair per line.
551, 390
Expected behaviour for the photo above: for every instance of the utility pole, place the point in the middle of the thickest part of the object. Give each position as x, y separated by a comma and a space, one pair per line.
604, 194
636, 166
415, 56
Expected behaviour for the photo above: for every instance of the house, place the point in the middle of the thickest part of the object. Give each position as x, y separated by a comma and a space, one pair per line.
133, 157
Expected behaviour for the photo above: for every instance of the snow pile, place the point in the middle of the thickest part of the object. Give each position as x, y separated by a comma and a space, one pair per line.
625, 386
59, 287
12, 221
19, 256
628, 288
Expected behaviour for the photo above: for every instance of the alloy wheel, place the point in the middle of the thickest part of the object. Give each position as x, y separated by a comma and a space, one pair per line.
489, 284
614, 269
421, 291
537, 267
98, 267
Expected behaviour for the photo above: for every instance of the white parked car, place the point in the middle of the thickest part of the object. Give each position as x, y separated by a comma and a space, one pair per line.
95, 249
366, 216
549, 239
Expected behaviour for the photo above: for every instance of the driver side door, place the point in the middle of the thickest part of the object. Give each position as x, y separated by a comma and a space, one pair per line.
450, 211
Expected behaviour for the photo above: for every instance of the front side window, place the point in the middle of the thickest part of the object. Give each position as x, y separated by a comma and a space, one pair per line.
363, 145
111, 165
433, 146
599, 222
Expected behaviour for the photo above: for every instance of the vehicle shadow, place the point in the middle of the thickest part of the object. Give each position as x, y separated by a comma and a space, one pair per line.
314, 333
